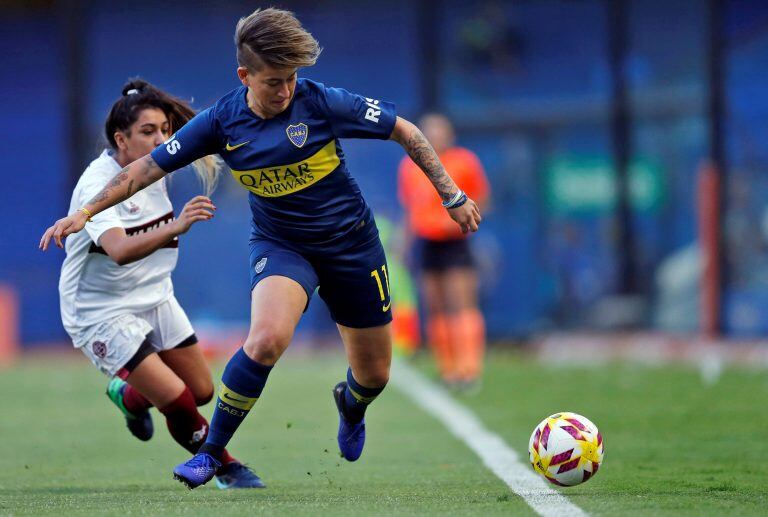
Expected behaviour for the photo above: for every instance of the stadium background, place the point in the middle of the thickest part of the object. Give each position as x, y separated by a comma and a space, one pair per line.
594, 120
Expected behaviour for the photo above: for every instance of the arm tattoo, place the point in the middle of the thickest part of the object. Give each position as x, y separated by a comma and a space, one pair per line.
149, 165
422, 153
116, 184
113, 184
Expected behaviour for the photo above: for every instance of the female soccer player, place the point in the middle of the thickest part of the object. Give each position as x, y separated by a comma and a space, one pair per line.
455, 325
117, 301
311, 226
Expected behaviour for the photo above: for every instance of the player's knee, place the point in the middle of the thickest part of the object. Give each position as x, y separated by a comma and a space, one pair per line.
267, 345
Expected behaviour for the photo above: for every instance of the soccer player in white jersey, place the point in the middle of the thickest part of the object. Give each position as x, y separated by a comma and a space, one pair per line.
117, 301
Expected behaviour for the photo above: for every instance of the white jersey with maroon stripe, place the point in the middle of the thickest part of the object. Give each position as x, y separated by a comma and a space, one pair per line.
92, 287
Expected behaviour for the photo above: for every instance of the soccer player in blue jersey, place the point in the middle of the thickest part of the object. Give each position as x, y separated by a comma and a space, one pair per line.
311, 226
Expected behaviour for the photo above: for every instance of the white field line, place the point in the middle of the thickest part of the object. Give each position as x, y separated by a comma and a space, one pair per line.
495, 453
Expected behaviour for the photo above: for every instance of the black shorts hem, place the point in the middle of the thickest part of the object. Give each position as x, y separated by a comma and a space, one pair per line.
439, 256
191, 340
145, 350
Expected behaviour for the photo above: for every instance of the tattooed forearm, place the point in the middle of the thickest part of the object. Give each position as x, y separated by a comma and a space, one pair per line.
149, 167
136, 176
422, 153
113, 184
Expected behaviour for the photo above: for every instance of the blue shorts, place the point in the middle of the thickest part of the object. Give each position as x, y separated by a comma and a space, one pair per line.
353, 282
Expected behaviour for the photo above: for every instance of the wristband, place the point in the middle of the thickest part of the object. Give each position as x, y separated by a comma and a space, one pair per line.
458, 199
451, 202
87, 213
461, 201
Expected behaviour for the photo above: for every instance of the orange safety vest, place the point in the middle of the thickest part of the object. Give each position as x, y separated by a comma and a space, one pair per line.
426, 216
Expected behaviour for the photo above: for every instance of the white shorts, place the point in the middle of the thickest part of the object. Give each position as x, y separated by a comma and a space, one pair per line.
112, 343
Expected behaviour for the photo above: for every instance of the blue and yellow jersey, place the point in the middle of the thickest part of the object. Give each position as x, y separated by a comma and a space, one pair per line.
292, 165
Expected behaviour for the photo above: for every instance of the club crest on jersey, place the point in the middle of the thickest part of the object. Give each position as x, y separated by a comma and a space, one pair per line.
297, 133
260, 265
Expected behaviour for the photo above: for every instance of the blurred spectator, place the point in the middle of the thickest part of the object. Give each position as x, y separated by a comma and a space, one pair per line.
448, 276
576, 270
402, 291
745, 243
489, 40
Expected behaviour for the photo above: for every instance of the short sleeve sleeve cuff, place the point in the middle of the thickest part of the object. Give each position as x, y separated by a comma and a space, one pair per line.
193, 141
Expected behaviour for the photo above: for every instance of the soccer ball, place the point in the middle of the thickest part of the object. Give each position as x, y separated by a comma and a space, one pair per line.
566, 448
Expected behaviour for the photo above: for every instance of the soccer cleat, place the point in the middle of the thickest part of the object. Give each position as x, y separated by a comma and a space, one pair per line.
139, 425
197, 471
351, 436
237, 475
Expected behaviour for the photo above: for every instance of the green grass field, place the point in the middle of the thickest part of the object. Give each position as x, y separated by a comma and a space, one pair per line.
673, 445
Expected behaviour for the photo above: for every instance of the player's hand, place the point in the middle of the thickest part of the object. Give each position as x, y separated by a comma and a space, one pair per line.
199, 208
467, 216
63, 227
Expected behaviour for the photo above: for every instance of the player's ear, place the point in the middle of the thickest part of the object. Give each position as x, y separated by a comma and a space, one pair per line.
120, 140
242, 74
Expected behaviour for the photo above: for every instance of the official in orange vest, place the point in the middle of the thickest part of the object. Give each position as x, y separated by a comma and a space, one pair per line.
448, 277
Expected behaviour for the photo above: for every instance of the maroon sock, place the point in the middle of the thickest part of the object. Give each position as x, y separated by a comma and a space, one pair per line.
186, 425
134, 401
226, 458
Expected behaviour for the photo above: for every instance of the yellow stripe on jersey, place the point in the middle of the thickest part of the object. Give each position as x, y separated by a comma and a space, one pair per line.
281, 180
234, 399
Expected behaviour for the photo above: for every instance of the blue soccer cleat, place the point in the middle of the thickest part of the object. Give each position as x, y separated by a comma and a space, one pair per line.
237, 475
197, 471
351, 436
139, 425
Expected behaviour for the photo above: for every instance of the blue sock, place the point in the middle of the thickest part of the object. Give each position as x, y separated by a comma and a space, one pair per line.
241, 386
357, 398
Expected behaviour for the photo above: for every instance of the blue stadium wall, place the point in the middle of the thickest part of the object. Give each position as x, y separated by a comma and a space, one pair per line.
535, 104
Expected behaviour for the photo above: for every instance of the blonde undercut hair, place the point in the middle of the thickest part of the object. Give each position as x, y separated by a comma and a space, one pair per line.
274, 37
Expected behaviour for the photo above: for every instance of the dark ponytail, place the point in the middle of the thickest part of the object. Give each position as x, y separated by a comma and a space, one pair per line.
138, 95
